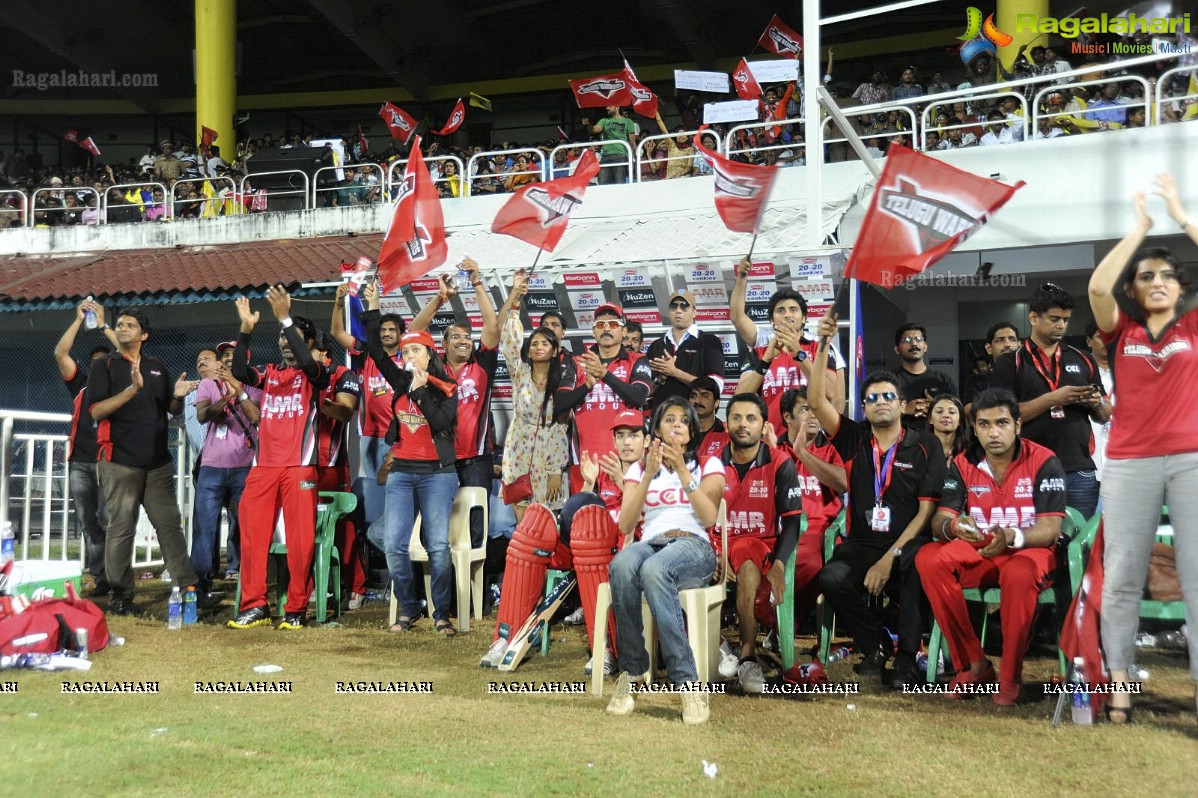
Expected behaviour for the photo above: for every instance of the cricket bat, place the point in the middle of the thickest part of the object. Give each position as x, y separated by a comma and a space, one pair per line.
529, 634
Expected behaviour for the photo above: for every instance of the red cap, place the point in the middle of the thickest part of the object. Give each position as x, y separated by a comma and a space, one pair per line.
418, 337
629, 418
224, 346
611, 308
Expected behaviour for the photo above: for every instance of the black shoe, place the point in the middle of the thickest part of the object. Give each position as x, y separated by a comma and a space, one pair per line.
209, 600
905, 672
254, 616
293, 620
874, 664
100, 590
121, 605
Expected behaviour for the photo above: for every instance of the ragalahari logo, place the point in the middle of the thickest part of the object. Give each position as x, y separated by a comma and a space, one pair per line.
981, 37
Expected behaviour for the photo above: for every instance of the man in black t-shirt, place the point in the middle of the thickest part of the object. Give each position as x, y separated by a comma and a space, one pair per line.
86, 494
684, 353
920, 384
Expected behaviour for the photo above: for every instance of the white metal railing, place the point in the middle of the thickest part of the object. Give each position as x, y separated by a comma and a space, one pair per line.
902, 109
303, 190
395, 172
627, 163
216, 201
6, 206
105, 203
367, 189
1162, 84
30, 211
501, 177
643, 159
1083, 115
749, 127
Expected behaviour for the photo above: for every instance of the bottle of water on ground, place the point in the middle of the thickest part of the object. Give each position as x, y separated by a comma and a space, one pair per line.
190, 608
1080, 700
837, 654
174, 610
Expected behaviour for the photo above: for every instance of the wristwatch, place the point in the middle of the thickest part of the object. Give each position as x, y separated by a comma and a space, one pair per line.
1016, 538
801, 356
241, 397
692, 486
896, 551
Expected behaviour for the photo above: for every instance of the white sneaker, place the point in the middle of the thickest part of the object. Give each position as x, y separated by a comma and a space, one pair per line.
622, 702
494, 654
729, 662
752, 680
695, 708
576, 618
356, 600
609, 664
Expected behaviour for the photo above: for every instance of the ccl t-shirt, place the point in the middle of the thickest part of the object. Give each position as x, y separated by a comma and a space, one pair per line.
667, 506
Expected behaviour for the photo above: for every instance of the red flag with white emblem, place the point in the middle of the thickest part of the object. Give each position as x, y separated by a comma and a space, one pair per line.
747, 87
72, 136
644, 102
401, 125
741, 189
89, 145
780, 38
602, 91
456, 117
414, 243
538, 213
921, 210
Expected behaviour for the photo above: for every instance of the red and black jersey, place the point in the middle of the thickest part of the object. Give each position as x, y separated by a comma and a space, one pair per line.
713, 441
767, 492
784, 373
475, 385
135, 434
626, 387
820, 503
374, 410
82, 447
1033, 485
330, 433
611, 493
287, 429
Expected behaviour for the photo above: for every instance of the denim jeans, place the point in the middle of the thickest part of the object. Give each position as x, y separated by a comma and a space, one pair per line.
430, 495
91, 515
658, 569
1081, 491
215, 488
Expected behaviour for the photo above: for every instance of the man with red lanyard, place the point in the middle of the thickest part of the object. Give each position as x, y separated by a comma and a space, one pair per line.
375, 413
782, 359
997, 526
895, 478
1059, 391
765, 507
598, 385
338, 401
472, 368
284, 473
822, 479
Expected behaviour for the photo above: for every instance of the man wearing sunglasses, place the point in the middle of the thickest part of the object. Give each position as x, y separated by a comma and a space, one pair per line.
921, 385
684, 353
598, 385
895, 478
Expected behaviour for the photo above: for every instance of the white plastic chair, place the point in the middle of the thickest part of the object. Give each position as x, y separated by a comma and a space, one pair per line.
702, 606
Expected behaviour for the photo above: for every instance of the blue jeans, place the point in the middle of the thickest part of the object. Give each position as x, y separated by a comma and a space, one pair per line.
658, 569
430, 495
500, 516
215, 489
1081, 491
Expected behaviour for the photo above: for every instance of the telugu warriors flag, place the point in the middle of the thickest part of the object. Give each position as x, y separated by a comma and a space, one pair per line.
741, 189
414, 243
456, 117
538, 213
780, 38
921, 210
401, 124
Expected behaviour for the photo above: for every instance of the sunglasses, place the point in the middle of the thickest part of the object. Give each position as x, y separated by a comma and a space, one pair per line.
608, 324
912, 339
874, 398
681, 304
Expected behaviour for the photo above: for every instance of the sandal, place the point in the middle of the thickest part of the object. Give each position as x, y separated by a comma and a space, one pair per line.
402, 624
445, 629
1120, 716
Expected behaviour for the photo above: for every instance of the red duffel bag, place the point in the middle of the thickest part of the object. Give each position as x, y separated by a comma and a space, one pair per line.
49, 625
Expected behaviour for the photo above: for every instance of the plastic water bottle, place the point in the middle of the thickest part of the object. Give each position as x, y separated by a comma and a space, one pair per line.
8, 543
837, 654
1080, 700
190, 609
174, 610
89, 317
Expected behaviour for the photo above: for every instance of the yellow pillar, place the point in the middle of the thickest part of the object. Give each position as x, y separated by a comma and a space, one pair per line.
1007, 20
216, 81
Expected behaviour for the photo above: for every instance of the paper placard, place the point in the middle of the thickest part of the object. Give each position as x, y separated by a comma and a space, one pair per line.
728, 342
775, 70
584, 319
476, 321
815, 290
762, 269
469, 301
713, 82
731, 111
394, 304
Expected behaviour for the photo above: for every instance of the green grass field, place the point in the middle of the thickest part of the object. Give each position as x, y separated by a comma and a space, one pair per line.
461, 740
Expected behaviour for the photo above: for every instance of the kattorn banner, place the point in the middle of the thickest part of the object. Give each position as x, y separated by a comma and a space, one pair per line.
414, 243
400, 123
538, 213
780, 38
921, 210
741, 189
456, 117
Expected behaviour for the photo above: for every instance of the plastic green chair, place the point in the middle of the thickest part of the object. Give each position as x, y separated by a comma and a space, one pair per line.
786, 608
1058, 595
824, 614
1151, 609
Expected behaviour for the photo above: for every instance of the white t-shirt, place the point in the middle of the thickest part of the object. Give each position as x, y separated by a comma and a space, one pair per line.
666, 504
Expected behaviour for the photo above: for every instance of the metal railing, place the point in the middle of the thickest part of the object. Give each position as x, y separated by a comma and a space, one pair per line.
363, 193
1083, 115
106, 203
7, 208
627, 163
749, 127
927, 126
216, 202
502, 177
890, 134
32, 210
395, 172
1162, 84
644, 159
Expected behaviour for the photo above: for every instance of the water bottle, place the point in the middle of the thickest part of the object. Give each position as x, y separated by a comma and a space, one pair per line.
89, 317
837, 654
8, 543
190, 609
1080, 700
462, 281
174, 610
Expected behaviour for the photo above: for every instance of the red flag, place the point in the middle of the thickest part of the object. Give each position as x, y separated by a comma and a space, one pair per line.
1080, 634
207, 136
602, 91
90, 146
538, 213
747, 87
780, 38
561, 134
415, 241
399, 123
363, 144
922, 209
741, 189
456, 118
72, 136
644, 102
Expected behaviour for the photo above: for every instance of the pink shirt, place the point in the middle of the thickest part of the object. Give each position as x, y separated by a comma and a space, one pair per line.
224, 445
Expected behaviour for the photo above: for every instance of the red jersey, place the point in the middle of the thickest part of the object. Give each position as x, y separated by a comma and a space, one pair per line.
475, 383
820, 503
713, 441
374, 412
416, 436
1155, 415
330, 433
598, 408
611, 493
784, 373
1033, 485
767, 492
287, 428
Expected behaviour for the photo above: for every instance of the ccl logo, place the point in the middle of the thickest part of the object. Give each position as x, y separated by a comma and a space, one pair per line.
981, 37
